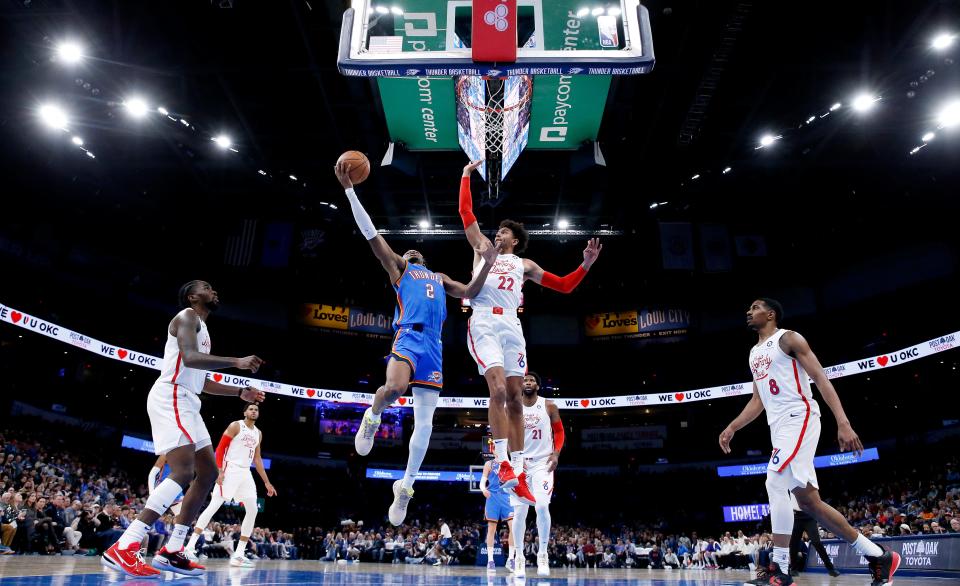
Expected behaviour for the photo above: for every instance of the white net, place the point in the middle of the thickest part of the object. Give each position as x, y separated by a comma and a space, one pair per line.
497, 112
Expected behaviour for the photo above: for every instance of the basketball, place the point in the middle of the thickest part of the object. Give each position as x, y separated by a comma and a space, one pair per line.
359, 165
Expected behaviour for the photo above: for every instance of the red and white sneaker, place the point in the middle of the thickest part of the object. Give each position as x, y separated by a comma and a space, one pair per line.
506, 475
176, 562
129, 561
522, 491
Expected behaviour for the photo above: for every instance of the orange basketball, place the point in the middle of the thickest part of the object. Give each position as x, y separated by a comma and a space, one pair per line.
359, 165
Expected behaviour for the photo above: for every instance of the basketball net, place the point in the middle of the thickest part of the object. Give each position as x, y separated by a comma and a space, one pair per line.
498, 105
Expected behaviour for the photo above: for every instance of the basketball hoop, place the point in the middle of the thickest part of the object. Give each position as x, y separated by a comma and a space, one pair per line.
500, 103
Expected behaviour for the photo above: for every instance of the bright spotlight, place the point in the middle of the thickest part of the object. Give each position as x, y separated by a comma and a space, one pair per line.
928, 137
293, 177
382, 10
726, 170
163, 110
396, 10
864, 102
262, 172
695, 177
53, 116
767, 140
69, 52
137, 107
811, 119
223, 141
943, 41
77, 141
423, 224
914, 150
563, 224
613, 11
949, 115
597, 11
835, 107
91, 155
583, 12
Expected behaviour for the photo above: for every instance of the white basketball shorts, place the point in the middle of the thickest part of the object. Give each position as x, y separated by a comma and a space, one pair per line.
539, 481
238, 484
496, 339
175, 418
794, 437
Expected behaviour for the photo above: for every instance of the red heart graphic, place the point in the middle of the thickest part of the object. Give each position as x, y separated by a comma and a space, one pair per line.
310, 392
679, 396
882, 361
592, 322
16, 315
402, 400
584, 402
122, 354
218, 377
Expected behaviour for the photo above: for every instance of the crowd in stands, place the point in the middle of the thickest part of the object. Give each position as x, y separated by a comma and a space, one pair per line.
53, 500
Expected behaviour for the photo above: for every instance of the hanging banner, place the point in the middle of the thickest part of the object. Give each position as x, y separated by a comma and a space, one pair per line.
39, 326
645, 323
354, 319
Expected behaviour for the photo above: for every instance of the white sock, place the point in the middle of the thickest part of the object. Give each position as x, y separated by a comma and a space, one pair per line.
241, 549
370, 414
194, 538
134, 534
500, 450
516, 462
781, 556
867, 548
176, 538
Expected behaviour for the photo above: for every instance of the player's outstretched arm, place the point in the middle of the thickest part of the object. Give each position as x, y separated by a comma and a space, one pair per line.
391, 261
185, 327
795, 345
751, 411
553, 412
567, 283
258, 462
471, 290
470, 225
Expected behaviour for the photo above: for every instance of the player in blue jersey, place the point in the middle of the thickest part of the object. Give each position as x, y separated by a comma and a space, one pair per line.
497, 508
416, 355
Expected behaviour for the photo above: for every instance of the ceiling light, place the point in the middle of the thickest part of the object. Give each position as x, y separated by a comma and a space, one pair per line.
597, 11
583, 12
262, 172
811, 119
695, 177
726, 170
864, 102
69, 52
382, 9
424, 224
928, 137
563, 224
91, 155
162, 110
613, 11
396, 10
77, 141
293, 177
942, 41
767, 140
223, 141
914, 150
53, 116
136, 107
949, 115
835, 107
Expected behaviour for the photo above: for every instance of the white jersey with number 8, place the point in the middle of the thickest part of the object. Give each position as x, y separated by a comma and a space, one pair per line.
783, 384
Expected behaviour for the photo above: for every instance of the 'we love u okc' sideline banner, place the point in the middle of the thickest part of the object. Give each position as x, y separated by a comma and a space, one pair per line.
57, 332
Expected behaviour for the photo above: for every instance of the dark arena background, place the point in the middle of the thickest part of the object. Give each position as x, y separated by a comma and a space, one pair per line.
721, 151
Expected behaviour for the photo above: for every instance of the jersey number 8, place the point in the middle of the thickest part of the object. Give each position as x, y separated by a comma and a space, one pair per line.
774, 389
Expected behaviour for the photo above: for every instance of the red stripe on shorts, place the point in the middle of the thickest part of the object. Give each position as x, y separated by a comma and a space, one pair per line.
806, 418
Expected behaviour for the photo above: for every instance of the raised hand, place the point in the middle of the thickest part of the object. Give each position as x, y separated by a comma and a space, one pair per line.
342, 171
471, 167
252, 395
591, 252
490, 253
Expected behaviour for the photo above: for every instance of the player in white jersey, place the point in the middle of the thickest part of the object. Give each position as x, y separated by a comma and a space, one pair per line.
780, 362
179, 432
239, 448
542, 441
495, 337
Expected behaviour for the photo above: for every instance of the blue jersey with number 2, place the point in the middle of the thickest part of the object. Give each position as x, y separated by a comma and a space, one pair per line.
421, 299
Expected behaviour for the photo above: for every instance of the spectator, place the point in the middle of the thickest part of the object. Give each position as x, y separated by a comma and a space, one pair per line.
671, 561
108, 531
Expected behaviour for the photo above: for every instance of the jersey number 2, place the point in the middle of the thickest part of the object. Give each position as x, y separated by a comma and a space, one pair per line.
506, 283
430, 290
